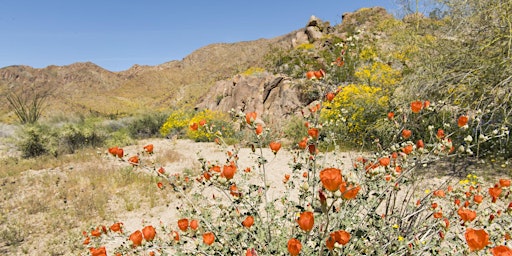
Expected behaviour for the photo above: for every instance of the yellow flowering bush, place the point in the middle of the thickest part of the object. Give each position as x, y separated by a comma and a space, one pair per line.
209, 125
176, 121
350, 113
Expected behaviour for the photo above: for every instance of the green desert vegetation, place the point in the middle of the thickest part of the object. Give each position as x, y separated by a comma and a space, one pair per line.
455, 64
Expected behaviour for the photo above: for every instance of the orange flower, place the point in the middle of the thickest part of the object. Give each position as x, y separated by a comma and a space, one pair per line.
228, 171
149, 233
310, 74
306, 221
286, 178
504, 182
194, 126
416, 106
446, 223
350, 192
194, 224
183, 224
331, 178
439, 193
341, 237
406, 133
136, 238
233, 190
294, 246
440, 133
275, 146
313, 132
175, 235
117, 227
96, 232
384, 161
463, 120
161, 170
408, 149
477, 239
501, 250
495, 192
250, 117
208, 238
391, 115
319, 74
438, 215
478, 199
120, 152
259, 129
303, 143
87, 240
215, 168
466, 214
98, 251
134, 160
330, 243
113, 151
426, 104
202, 122
248, 222
420, 144
251, 252
149, 148
330, 96
160, 185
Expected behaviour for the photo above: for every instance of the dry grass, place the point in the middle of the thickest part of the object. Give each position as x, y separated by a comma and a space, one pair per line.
47, 202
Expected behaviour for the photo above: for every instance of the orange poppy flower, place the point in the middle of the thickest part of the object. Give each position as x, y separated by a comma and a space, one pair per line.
160, 185
478, 199
183, 224
466, 214
215, 168
495, 192
312, 149
233, 190
330, 96
251, 252
416, 106
434, 205
329, 243
310, 74
501, 250
440, 133
306, 221
294, 246
319, 74
98, 251
248, 222
134, 160
136, 238
175, 235
87, 240
341, 237
275, 147
477, 239
391, 115
194, 126
313, 132
96, 232
426, 104
286, 178
385, 161
149, 233
406, 133
504, 182
113, 151
208, 238
331, 178
408, 149
228, 171
117, 227
259, 129
250, 117
202, 122
439, 193
303, 143
463, 120
350, 192
438, 215
507, 236
120, 152
420, 144
149, 148
194, 224
161, 170
446, 223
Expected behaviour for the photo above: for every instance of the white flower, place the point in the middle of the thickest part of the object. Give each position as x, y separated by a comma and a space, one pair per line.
468, 139
469, 151
461, 149
430, 127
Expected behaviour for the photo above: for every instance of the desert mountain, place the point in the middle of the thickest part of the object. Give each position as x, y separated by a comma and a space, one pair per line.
83, 88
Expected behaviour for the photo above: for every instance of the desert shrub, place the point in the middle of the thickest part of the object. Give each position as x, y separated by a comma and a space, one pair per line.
176, 123
74, 136
295, 129
33, 140
147, 125
253, 71
209, 124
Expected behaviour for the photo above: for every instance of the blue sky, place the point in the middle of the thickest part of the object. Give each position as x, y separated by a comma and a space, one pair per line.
116, 34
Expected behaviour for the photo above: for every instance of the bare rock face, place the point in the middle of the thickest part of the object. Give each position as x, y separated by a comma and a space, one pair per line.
268, 95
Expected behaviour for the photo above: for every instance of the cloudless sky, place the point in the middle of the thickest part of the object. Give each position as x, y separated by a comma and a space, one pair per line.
116, 34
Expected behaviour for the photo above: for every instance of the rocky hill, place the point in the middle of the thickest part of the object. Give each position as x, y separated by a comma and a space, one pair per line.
85, 88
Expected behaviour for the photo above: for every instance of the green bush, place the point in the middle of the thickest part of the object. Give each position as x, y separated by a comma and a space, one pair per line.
32, 141
147, 125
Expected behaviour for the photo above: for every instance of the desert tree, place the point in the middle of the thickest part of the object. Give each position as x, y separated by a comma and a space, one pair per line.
28, 103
